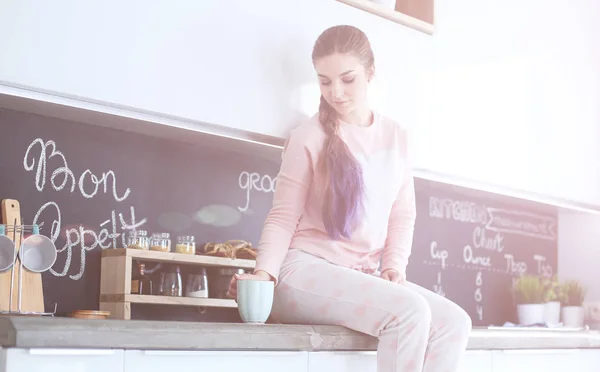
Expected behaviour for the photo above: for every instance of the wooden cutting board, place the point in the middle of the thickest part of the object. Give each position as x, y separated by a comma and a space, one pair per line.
32, 297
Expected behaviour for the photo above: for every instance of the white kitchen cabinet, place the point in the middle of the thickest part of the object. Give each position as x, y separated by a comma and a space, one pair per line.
247, 361
554, 360
61, 360
476, 361
473, 361
89, 360
342, 361
240, 64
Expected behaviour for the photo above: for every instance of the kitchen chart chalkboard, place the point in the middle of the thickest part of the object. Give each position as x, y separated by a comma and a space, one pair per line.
470, 245
87, 184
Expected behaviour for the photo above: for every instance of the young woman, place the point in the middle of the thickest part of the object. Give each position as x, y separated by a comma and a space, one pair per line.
343, 205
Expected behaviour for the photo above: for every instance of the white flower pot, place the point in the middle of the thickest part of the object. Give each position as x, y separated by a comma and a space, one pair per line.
573, 316
552, 313
592, 311
531, 313
391, 4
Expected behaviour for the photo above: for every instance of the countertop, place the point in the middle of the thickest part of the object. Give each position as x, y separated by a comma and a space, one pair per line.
48, 332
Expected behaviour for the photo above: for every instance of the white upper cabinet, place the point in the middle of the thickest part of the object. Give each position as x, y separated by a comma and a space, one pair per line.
240, 64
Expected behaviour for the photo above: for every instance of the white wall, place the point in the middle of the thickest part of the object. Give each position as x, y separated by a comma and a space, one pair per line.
517, 86
579, 249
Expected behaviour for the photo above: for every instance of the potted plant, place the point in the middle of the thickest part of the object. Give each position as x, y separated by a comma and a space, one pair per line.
552, 294
529, 297
572, 297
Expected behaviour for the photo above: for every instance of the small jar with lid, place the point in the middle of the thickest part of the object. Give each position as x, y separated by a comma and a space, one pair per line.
138, 239
160, 242
186, 245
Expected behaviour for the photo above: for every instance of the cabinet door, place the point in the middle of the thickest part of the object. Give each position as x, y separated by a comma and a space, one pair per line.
552, 360
476, 361
473, 361
342, 361
247, 361
61, 360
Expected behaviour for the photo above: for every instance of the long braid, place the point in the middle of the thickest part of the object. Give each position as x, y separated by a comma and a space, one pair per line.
343, 205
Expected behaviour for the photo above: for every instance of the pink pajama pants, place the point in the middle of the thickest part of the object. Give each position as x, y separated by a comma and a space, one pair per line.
418, 330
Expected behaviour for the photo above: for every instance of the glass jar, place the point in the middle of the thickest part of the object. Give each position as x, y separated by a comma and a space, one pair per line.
138, 239
160, 242
172, 285
219, 279
140, 282
197, 284
186, 245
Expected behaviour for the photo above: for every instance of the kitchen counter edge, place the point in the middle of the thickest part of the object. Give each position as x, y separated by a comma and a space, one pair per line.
36, 332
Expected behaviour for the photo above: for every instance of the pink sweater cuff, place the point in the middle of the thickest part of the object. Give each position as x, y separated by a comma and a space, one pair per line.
398, 266
269, 267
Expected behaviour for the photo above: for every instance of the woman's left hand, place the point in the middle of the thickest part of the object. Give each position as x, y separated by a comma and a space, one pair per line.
392, 276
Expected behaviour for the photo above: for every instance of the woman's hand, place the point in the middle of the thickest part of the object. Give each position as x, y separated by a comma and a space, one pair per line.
258, 275
392, 276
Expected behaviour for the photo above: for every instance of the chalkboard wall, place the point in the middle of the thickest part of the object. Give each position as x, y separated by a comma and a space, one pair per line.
469, 245
87, 184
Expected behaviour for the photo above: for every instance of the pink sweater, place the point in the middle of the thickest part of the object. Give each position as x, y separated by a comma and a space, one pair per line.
386, 230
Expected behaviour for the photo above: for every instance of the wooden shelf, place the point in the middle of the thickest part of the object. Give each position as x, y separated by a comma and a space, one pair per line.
115, 280
417, 23
178, 258
167, 300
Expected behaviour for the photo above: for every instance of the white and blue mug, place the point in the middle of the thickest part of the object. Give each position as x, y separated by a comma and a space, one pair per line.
255, 300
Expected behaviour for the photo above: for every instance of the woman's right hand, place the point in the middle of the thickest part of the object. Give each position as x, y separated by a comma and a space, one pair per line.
258, 275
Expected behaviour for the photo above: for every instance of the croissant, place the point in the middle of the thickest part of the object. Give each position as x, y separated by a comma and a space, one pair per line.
231, 249
246, 253
218, 249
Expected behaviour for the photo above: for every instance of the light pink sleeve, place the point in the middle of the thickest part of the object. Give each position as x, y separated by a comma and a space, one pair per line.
398, 245
293, 183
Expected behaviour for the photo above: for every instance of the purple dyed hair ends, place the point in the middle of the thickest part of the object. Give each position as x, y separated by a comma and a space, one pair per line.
343, 206
344, 191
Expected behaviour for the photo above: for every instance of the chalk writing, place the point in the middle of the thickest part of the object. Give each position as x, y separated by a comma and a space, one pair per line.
88, 185
254, 181
441, 255
458, 210
515, 267
521, 223
437, 288
470, 258
83, 238
40, 172
466, 267
479, 295
29, 163
481, 240
103, 180
542, 268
